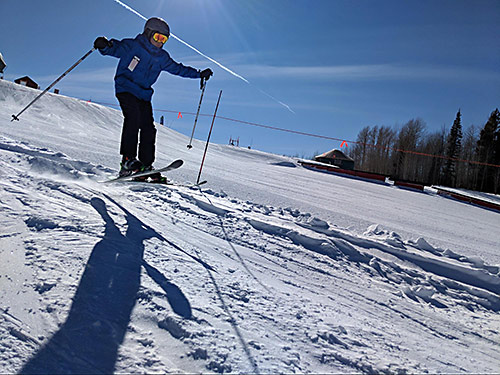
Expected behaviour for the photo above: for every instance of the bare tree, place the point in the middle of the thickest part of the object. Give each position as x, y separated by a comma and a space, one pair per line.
371, 152
385, 143
409, 139
359, 151
433, 144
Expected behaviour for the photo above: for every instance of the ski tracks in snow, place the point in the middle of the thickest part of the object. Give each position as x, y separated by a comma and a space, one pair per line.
433, 271
225, 285
307, 254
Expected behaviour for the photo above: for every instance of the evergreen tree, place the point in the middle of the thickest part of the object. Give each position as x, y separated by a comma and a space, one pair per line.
453, 150
495, 117
488, 151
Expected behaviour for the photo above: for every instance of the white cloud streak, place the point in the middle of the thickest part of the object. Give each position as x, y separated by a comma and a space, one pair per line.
370, 71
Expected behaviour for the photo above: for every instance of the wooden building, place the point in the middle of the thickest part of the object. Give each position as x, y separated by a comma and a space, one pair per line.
27, 81
3, 65
337, 158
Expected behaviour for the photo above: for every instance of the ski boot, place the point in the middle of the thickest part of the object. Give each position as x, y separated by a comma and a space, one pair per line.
129, 166
155, 178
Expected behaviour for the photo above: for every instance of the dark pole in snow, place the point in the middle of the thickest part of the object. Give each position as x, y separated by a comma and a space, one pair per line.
203, 84
16, 117
208, 139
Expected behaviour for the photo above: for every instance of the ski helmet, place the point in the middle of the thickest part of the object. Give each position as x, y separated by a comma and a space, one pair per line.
156, 25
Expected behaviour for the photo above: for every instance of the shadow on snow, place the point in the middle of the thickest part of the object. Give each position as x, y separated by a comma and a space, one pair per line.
89, 340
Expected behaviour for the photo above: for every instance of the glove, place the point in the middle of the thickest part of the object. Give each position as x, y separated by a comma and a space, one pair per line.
206, 74
102, 42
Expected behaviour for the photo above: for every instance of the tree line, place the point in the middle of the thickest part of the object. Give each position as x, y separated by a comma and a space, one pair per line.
459, 158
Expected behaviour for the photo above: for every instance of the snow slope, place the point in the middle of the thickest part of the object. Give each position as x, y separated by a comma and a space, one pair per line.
268, 268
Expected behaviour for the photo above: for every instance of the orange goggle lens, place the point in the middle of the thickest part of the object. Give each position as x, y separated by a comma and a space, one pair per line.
160, 38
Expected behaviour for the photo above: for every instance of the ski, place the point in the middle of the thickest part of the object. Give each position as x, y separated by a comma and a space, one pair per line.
174, 165
186, 185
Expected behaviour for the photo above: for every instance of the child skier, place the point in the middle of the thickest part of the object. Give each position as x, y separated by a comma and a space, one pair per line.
142, 59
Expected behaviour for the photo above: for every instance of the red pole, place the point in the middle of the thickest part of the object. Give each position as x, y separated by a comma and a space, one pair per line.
208, 139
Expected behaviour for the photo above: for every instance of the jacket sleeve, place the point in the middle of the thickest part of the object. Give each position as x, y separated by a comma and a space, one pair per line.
178, 69
118, 48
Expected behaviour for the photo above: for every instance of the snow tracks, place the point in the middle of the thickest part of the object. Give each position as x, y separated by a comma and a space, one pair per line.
311, 283
413, 265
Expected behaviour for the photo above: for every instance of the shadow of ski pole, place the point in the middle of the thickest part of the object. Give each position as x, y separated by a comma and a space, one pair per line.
177, 300
228, 240
234, 325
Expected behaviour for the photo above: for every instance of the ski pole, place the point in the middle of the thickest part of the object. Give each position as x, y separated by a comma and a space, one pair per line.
16, 117
203, 84
208, 139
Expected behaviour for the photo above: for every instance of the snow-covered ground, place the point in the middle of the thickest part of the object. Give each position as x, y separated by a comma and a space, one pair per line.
270, 267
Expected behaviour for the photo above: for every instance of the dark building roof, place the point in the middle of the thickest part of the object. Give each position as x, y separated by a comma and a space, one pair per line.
2, 63
334, 154
336, 157
27, 81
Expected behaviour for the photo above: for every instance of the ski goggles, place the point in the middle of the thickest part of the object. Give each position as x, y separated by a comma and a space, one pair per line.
160, 38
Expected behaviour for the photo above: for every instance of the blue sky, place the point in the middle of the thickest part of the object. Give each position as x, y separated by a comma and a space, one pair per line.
340, 65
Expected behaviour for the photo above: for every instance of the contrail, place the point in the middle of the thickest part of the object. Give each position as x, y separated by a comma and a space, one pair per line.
207, 57
273, 98
185, 43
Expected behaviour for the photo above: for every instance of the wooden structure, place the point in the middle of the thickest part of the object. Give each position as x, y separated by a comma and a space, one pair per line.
328, 168
409, 185
27, 81
337, 158
3, 65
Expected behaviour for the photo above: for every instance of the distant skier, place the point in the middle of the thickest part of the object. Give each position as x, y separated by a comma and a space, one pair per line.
142, 59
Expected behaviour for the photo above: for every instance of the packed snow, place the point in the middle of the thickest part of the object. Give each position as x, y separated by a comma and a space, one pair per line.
267, 268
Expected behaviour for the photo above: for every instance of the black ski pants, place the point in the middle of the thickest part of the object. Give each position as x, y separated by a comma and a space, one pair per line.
138, 126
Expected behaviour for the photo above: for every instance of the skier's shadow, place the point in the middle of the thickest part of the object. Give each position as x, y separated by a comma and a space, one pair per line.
88, 341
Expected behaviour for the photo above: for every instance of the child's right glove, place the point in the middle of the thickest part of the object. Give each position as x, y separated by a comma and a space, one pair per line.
102, 42
206, 74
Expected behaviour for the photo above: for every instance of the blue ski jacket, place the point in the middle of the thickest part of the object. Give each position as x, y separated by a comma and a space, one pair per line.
140, 65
